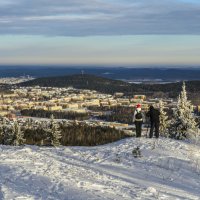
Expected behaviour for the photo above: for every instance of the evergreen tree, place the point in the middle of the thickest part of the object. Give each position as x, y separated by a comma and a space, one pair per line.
6, 133
29, 123
164, 121
183, 123
18, 134
55, 132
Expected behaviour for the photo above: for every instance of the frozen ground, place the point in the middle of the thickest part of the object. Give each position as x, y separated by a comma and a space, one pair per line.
168, 170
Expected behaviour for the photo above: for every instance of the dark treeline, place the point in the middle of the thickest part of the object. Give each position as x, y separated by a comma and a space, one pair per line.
57, 114
74, 135
54, 133
5, 89
116, 114
85, 135
110, 86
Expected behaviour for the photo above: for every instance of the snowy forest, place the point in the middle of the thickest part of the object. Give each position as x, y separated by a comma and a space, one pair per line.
55, 133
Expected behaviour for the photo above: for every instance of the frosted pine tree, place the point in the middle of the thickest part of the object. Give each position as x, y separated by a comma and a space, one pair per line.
6, 133
164, 121
29, 123
183, 123
18, 134
55, 133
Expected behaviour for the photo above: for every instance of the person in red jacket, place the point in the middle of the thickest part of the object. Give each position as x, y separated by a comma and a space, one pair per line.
138, 119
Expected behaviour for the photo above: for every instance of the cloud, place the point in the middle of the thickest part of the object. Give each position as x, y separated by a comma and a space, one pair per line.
99, 17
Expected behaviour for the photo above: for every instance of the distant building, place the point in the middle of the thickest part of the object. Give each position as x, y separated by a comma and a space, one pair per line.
55, 108
140, 97
119, 94
11, 116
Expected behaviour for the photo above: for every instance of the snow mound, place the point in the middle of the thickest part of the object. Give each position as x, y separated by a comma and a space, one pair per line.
167, 169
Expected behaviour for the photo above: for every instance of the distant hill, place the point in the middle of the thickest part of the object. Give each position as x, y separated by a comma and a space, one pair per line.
110, 86
120, 73
85, 81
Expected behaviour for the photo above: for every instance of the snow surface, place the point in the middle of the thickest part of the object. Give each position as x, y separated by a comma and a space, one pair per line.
168, 169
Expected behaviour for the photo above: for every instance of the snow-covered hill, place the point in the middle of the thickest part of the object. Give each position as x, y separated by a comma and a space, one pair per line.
168, 169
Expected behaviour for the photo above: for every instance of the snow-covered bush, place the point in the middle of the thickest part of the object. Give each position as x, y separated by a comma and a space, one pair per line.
136, 152
6, 133
183, 124
55, 132
29, 123
164, 121
18, 134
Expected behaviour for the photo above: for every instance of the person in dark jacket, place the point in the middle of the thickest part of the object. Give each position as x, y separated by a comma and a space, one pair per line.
138, 119
154, 116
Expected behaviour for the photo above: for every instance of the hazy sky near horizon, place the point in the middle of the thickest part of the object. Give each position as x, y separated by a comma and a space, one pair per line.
103, 32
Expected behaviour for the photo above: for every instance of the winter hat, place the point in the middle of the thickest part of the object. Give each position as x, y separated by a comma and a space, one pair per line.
151, 107
138, 106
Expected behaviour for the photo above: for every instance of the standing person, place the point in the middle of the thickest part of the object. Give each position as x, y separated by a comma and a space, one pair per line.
154, 116
138, 120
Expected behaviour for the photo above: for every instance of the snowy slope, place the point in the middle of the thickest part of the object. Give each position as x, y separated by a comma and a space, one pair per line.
168, 169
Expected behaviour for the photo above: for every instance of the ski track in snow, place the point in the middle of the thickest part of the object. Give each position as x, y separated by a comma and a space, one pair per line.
167, 170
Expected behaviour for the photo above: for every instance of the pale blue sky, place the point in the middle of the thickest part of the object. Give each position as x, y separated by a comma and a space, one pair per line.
105, 32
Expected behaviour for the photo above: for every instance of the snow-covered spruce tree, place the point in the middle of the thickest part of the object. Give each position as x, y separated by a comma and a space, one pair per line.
164, 121
6, 132
55, 133
183, 123
29, 123
18, 134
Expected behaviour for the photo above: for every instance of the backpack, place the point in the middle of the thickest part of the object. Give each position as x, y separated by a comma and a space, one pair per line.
138, 116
